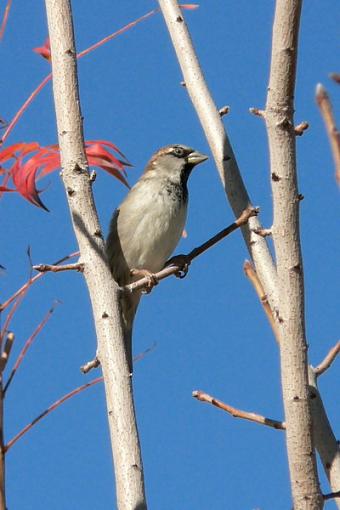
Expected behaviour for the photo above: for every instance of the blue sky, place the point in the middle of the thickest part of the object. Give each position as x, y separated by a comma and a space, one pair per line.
210, 330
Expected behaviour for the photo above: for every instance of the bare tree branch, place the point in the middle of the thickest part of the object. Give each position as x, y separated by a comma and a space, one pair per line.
104, 292
212, 124
238, 413
290, 312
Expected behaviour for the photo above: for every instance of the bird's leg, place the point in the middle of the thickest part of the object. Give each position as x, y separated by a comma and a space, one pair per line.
183, 263
152, 278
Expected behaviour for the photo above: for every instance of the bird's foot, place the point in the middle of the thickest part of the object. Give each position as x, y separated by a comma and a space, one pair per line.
152, 278
183, 263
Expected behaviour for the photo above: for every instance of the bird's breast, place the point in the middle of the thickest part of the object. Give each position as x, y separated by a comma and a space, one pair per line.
152, 229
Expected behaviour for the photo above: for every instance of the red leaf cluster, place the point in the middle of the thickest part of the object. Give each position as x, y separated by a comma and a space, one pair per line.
31, 162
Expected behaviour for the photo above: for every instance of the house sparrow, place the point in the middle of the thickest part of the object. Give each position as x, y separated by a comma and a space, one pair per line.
147, 226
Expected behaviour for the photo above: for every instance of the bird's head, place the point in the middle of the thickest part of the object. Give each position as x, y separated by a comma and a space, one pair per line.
174, 162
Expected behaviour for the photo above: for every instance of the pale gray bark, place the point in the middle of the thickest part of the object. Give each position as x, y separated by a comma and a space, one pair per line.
102, 288
279, 117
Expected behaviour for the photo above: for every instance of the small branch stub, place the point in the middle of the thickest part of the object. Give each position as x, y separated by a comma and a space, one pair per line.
257, 112
94, 363
224, 111
301, 128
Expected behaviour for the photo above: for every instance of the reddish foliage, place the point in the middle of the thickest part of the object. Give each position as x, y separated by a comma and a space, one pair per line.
44, 50
32, 162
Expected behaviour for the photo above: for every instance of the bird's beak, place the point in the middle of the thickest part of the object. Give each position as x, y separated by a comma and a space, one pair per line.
195, 158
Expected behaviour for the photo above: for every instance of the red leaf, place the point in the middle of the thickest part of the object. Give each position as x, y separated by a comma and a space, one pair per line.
25, 182
45, 50
22, 147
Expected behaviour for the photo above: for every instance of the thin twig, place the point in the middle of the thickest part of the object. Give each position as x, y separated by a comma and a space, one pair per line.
254, 279
66, 397
11, 314
242, 220
27, 345
44, 268
175, 269
328, 360
7, 351
325, 106
51, 408
25, 287
5, 18
238, 413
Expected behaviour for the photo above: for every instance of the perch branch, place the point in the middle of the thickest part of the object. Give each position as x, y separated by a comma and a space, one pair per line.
175, 269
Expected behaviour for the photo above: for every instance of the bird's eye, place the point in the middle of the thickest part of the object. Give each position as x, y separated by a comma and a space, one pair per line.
179, 152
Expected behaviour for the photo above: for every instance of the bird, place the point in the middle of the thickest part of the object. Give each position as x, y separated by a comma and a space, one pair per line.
146, 228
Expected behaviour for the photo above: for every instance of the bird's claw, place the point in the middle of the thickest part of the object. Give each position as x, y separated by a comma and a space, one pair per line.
183, 263
152, 279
